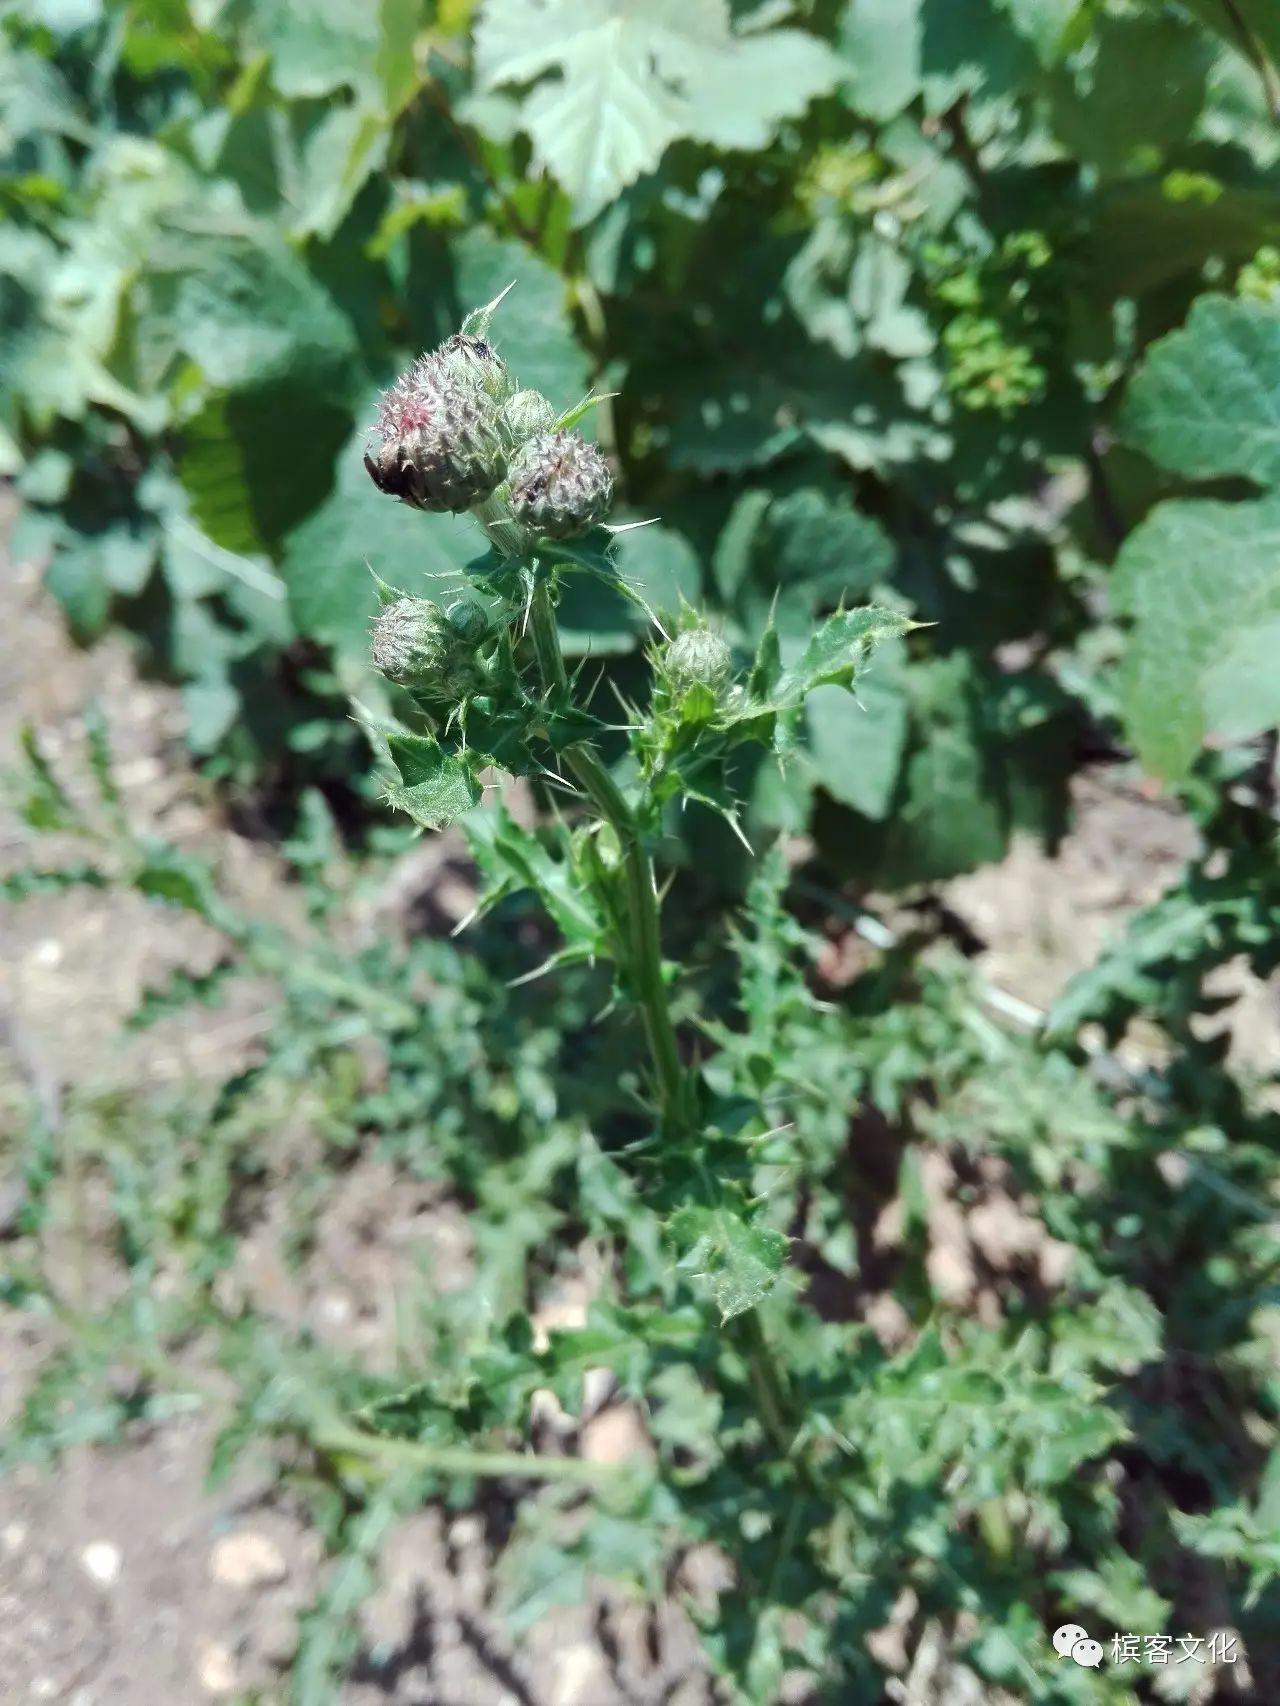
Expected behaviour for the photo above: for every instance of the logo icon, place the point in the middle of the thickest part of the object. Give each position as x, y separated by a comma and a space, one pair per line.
1072, 1640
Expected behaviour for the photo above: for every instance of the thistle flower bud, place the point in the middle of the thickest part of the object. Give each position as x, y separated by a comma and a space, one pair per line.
418, 645
560, 485
440, 447
469, 621
697, 658
474, 364
527, 414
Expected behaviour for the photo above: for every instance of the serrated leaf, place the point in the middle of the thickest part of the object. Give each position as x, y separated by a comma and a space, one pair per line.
435, 787
1200, 580
1206, 401
835, 651
514, 858
633, 76
735, 1260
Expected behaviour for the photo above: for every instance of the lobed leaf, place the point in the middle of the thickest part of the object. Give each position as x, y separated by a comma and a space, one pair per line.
634, 76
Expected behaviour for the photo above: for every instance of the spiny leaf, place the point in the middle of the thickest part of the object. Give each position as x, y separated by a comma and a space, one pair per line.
736, 1260
835, 651
434, 787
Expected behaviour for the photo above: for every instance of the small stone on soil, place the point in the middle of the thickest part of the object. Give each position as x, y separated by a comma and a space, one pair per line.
216, 1668
247, 1560
102, 1560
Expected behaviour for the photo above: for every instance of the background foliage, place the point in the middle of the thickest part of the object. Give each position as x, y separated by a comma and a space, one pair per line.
971, 306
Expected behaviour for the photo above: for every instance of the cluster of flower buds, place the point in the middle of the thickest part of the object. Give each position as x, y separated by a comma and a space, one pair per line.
431, 651
454, 433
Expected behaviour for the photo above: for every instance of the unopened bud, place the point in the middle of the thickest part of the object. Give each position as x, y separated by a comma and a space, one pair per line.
697, 658
560, 485
417, 645
469, 621
526, 415
440, 449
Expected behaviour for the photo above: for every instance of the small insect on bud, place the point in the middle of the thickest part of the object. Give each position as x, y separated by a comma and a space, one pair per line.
697, 658
440, 447
560, 485
526, 415
419, 646
474, 364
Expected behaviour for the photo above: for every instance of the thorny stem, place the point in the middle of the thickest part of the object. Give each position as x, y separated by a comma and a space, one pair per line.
339, 1440
644, 962
643, 949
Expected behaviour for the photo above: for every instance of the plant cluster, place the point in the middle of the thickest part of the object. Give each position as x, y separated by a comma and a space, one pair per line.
870, 279
1100, 1446
904, 301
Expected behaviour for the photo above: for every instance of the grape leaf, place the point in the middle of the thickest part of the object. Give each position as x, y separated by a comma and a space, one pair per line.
1206, 401
1197, 578
1201, 579
881, 41
636, 75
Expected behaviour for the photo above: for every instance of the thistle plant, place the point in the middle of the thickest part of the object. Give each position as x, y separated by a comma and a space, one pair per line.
491, 690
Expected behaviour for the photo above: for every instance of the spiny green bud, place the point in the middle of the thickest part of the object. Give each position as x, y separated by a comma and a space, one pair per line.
560, 485
526, 415
474, 364
418, 645
440, 447
697, 658
469, 621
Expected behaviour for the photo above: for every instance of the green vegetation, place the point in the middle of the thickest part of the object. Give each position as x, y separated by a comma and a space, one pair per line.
942, 338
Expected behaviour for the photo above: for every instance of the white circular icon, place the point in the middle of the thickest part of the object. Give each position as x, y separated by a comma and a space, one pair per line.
1087, 1652
1066, 1637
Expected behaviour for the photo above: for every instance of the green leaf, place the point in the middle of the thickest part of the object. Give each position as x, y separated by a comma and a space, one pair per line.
531, 330
318, 46
1206, 401
633, 76
660, 566
736, 1261
77, 578
856, 743
835, 651
514, 858
328, 557
1202, 582
249, 312
434, 787
881, 41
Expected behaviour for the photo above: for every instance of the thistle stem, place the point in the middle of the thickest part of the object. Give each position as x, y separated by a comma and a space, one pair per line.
643, 948
642, 954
